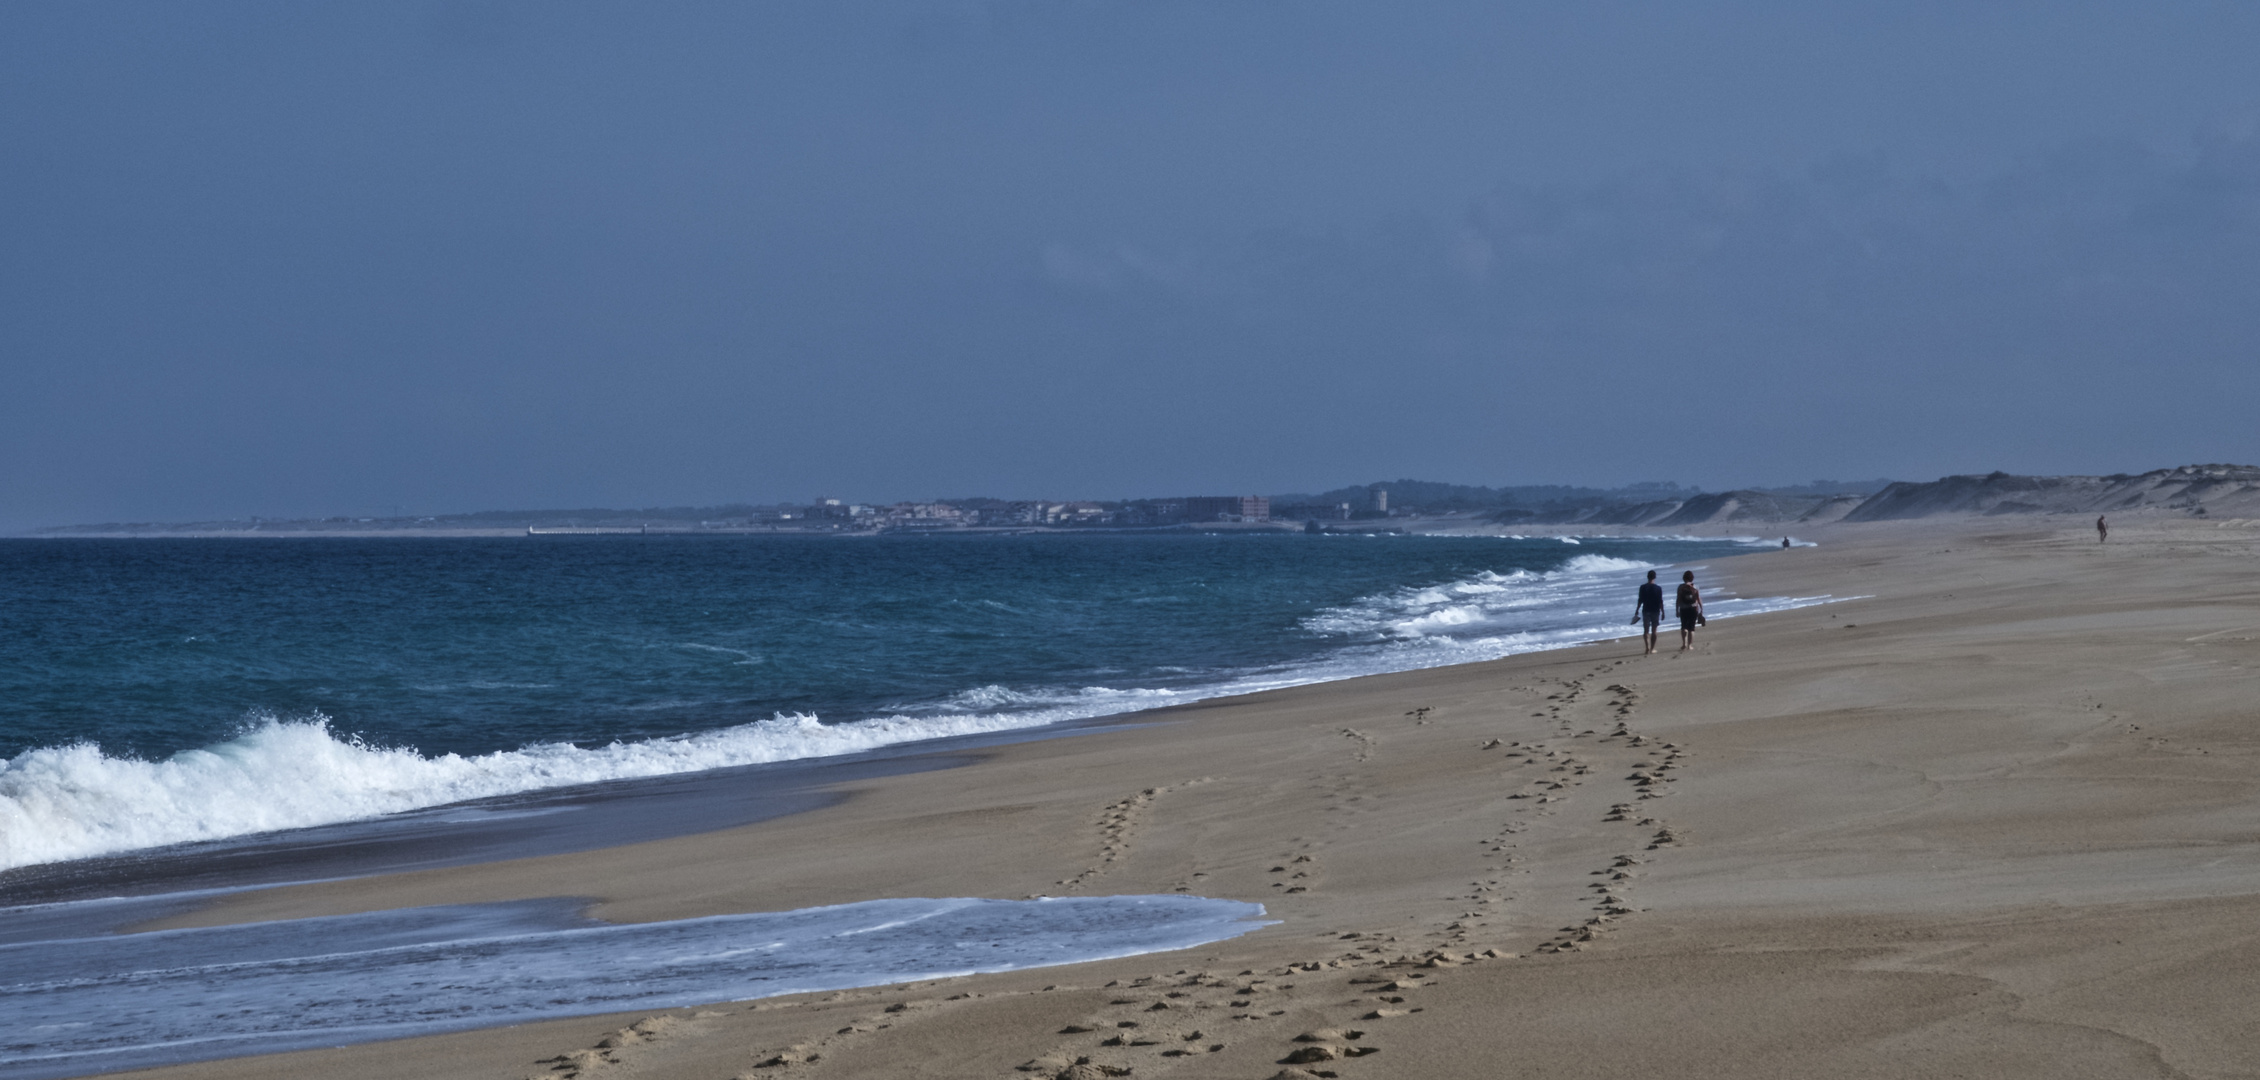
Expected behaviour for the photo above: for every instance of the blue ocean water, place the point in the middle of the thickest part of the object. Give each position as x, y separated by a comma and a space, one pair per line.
160, 691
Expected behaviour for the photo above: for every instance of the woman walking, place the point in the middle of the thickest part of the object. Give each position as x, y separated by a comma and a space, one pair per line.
1690, 610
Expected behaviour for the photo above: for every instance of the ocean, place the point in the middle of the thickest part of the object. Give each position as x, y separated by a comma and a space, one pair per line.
155, 692
181, 719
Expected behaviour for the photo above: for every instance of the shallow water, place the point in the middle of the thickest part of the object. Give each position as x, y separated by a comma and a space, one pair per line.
87, 1004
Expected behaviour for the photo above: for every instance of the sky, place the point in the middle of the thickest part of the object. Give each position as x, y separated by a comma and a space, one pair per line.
297, 259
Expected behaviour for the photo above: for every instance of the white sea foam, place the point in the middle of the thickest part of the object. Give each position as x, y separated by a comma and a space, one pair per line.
1492, 615
75, 801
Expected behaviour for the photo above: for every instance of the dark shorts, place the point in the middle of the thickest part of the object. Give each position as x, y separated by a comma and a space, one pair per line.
1649, 617
1688, 617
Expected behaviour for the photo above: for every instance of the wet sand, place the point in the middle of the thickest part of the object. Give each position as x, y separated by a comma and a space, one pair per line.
1996, 819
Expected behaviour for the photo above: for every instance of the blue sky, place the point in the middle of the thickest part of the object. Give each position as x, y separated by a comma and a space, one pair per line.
288, 259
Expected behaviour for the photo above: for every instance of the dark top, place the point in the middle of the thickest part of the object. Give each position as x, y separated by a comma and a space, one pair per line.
1651, 597
1688, 597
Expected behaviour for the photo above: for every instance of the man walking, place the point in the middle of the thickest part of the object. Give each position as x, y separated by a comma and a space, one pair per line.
2102, 531
1649, 612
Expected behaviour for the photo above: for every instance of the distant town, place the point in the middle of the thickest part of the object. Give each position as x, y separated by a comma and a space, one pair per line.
832, 515
999, 513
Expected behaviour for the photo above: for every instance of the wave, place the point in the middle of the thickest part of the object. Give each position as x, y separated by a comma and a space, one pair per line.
1493, 615
74, 802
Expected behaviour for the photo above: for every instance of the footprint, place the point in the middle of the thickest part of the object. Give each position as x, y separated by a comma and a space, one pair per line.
617, 1047
1118, 826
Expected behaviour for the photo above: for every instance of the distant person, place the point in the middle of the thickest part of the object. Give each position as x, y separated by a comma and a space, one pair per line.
1649, 612
1784, 543
2102, 531
1690, 610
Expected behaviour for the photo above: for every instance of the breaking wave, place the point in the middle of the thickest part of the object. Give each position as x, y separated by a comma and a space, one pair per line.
73, 802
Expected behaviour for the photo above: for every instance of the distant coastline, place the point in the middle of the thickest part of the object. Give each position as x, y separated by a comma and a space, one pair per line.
2218, 492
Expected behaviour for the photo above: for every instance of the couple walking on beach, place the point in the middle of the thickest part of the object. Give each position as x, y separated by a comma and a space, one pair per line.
1650, 611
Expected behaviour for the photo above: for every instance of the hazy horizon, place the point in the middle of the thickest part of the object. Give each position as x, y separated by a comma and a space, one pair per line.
1663, 488
1405, 493
288, 261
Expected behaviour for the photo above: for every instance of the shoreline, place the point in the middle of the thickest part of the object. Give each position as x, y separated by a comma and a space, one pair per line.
1554, 611
1987, 819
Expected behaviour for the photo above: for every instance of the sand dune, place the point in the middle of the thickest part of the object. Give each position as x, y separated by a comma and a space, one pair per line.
1995, 818
2214, 491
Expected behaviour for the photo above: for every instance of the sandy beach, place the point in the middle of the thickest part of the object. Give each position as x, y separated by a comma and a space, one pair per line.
1994, 818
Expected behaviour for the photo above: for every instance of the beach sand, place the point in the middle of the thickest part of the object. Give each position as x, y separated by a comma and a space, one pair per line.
2000, 817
